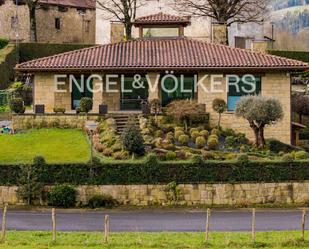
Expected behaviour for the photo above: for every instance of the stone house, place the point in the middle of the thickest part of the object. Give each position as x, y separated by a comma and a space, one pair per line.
67, 21
174, 67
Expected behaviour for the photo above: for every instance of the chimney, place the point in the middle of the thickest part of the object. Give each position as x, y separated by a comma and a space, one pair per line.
117, 32
218, 33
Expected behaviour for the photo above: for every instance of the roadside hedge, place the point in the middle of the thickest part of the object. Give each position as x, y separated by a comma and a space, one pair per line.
164, 172
297, 55
31, 51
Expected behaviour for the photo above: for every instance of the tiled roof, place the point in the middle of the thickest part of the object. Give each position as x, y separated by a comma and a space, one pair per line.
160, 54
162, 18
88, 4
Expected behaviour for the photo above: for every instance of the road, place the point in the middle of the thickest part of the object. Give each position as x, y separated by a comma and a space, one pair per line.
155, 220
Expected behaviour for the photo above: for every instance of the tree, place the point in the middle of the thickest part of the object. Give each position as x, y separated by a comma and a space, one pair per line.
219, 106
123, 10
29, 186
259, 111
185, 110
155, 108
224, 11
300, 105
32, 6
132, 139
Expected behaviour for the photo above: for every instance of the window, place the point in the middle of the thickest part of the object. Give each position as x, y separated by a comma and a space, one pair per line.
160, 32
80, 89
62, 9
14, 22
81, 11
236, 91
57, 23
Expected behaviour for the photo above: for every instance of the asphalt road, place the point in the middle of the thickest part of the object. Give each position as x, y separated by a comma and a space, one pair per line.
152, 221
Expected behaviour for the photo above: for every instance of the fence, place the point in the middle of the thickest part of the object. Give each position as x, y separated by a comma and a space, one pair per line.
208, 220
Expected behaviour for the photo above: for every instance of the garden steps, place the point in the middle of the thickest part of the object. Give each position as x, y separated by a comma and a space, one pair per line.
122, 120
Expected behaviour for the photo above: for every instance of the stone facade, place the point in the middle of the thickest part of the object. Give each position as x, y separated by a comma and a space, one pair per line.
275, 85
75, 27
190, 194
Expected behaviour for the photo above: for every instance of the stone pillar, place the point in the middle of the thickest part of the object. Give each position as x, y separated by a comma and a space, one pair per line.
117, 32
219, 33
259, 46
97, 94
64, 99
154, 86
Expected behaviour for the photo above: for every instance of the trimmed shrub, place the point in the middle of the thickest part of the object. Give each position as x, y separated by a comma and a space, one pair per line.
178, 134
230, 141
213, 143
3, 42
296, 55
183, 139
107, 152
99, 201
193, 130
197, 160
59, 110
194, 135
116, 147
213, 137
86, 104
277, 146
158, 133
178, 128
17, 105
243, 158
208, 155
215, 132
204, 133
62, 196
170, 155
200, 142
301, 155
121, 155
132, 140
288, 158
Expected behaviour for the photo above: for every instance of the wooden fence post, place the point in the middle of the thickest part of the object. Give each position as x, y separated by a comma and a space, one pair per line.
303, 222
3, 231
54, 224
106, 228
207, 224
253, 225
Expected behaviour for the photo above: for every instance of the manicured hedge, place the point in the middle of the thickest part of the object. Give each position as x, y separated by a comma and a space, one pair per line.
7, 67
297, 55
156, 173
3, 43
30, 51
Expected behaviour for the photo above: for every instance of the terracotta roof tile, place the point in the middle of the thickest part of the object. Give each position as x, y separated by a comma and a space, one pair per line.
160, 54
88, 4
162, 18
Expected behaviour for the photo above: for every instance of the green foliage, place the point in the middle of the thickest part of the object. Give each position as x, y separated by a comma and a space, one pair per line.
215, 132
200, 142
17, 105
132, 139
194, 135
3, 42
243, 158
170, 155
178, 133
102, 201
301, 155
197, 160
29, 186
230, 141
277, 146
297, 55
173, 192
213, 143
30, 51
204, 133
183, 139
219, 106
62, 196
86, 104
121, 155
7, 64
288, 158
59, 110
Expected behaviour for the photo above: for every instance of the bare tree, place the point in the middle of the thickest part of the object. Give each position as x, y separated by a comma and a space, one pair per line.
32, 6
224, 11
123, 10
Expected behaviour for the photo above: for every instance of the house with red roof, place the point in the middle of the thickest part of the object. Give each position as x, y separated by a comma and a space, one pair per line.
163, 64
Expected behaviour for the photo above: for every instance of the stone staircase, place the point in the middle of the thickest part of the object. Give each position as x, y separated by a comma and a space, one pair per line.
122, 120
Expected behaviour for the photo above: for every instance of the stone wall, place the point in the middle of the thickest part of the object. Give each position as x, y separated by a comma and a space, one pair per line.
75, 28
190, 194
275, 85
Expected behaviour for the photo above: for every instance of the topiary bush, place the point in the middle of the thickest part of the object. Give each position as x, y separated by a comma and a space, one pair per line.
62, 196
204, 133
230, 141
3, 42
194, 135
213, 143
170, 155
183, 139
17, 105
86, 104
288, 158
99, 201
178, 134
215, 132
301, 155
200, 142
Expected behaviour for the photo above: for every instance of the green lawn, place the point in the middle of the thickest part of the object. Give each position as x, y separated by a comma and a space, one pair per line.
42, 240
55, 145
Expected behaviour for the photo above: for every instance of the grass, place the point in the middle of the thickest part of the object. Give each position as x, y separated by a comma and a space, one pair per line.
164, 240
55, 145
